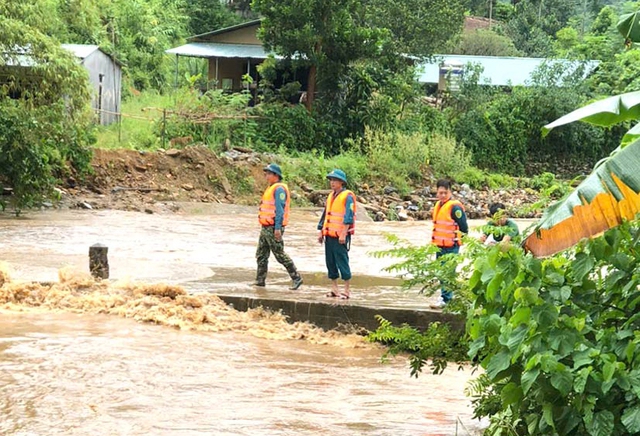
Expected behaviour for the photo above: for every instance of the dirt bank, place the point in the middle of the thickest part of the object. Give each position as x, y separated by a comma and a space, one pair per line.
155, 182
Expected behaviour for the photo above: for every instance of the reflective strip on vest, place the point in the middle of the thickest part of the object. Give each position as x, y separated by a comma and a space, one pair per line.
334, 215
267, 210
446, 232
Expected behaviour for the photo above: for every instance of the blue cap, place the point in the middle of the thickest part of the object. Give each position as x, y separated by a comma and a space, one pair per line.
273, 168
337, 174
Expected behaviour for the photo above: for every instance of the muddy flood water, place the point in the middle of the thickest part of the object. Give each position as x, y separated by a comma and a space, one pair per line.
153, 351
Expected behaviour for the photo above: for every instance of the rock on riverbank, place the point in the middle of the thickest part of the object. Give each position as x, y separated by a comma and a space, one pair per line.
157, 181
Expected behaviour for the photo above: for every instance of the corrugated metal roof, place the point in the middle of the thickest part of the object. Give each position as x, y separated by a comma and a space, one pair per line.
14, 60
220, 50
18, 57
498, 71
227, 29
80, 50
21, 56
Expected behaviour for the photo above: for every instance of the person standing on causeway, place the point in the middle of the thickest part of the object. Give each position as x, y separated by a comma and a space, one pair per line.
449, 223
274, 217
336, 226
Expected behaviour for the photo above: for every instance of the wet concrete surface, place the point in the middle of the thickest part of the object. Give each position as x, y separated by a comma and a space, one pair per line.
207, 248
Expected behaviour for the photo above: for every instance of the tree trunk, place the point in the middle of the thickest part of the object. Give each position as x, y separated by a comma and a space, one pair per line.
313, 74
311, 88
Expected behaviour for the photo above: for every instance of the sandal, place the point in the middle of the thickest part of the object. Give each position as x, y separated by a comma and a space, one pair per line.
332, 294
344, 296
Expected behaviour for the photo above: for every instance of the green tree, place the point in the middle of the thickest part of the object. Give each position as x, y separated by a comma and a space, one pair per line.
416, 27
331, 35
534, 24
45, 121
608, 196
138, 33
207, 15
618, 75
604, 21
528, 38
80, 21
134, 32
326, 34
484, 42
567, 39
503, 132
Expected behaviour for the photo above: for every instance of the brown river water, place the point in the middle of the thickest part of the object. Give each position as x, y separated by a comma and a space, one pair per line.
152, 351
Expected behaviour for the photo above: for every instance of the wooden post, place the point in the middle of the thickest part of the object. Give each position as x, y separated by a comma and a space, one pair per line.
164, 128
98, 261
217, 79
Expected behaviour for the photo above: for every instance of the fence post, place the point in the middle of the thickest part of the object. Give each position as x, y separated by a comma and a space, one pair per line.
119, 128
98, 261
164, 127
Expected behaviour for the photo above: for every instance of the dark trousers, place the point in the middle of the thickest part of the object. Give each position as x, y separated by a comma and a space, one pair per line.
267, 244
337, 258
447, 295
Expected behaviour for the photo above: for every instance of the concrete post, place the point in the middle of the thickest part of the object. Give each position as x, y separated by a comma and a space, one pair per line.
98, 261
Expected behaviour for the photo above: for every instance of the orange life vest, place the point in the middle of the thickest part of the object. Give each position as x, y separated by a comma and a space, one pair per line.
334, 215
267, 211
446, 232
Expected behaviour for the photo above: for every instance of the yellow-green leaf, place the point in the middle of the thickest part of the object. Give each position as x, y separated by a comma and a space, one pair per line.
602, 201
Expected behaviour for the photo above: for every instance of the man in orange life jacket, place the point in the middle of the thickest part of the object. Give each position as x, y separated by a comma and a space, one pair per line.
273, 216
336, 226
449, 222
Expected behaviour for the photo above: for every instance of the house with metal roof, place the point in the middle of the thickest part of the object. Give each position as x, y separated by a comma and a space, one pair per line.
231, 52
496, 70
105, 76
235, 51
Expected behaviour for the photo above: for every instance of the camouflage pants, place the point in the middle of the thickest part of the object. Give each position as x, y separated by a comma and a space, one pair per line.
267, 244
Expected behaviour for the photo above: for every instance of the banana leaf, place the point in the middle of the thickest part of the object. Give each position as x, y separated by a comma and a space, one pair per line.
610, 194
629, 26
603, 200
607, 112
631, 135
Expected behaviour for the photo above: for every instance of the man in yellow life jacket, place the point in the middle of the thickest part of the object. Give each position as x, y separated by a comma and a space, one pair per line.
273, 216
336, 226
449, 223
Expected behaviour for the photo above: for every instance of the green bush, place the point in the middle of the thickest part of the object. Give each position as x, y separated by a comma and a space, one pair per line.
559, 338
472, 176
284, 126
502, 130
446, 157
45, 121
38, 146
393, 158
501, 181
496, 138
421, 117
211, 118
437, 345
478, 179
312, 168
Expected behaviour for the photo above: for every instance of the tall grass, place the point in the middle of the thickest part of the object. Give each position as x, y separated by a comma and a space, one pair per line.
137, 130
382, 158
379, 158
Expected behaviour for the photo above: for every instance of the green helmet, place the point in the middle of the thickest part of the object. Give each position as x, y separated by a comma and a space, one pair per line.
337, 174
273, 168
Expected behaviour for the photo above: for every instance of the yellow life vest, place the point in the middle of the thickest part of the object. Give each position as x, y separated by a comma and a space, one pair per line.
267, 211
334, 214
446, 232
